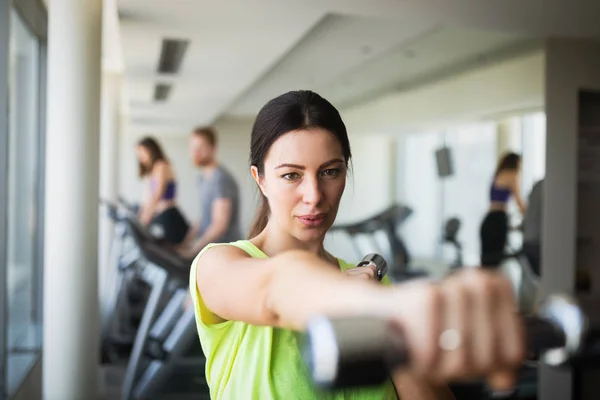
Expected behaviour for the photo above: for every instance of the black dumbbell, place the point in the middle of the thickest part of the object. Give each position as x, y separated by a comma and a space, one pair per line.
376, 260
346, 352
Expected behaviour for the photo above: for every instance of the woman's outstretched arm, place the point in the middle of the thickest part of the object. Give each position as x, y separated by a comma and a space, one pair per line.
287, 290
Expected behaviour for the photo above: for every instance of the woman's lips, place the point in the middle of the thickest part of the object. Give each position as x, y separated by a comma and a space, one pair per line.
312, 221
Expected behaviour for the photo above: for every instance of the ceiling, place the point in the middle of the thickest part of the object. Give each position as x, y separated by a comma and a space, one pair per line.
241, 53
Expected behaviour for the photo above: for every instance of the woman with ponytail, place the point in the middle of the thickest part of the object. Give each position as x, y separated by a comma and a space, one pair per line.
494, 229
261, 219
251, 296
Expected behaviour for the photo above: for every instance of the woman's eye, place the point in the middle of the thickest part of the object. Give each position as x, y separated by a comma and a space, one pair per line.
291, 176
331, 173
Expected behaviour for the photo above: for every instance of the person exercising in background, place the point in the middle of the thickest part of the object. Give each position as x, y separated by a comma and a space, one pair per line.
219, 193
494, 228
159, 206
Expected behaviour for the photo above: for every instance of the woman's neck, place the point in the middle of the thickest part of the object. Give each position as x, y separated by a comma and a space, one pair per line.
272, 241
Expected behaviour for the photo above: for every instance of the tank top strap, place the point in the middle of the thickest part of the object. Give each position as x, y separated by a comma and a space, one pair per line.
249, 248
344, 265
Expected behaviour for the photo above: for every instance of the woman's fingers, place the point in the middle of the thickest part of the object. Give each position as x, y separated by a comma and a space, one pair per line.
502, 381
485, 336
472, 331
512, 349
455, 339
367, 272
511, 342
419, 312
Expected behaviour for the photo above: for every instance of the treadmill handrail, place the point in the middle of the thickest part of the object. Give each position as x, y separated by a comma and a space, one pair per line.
156, 253
116, 212
397, 213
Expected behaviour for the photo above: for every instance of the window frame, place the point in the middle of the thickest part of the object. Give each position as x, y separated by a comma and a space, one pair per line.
445, 133
4, 132
34, 15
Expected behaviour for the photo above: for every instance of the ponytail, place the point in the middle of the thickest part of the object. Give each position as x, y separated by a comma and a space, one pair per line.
261, 219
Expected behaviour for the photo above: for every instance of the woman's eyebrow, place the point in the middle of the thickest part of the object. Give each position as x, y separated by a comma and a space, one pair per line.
302, 167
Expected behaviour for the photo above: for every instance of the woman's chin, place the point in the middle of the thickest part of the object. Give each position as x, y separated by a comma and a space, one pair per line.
312, 234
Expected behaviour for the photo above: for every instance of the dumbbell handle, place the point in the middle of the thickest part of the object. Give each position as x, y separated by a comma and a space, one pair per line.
377, 261
362, 351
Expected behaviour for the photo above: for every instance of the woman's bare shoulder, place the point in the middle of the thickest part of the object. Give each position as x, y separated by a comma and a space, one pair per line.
221, 252
506, 178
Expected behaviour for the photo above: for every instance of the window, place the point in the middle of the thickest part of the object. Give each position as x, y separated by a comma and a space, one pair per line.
466, 193
22, 324
533, 128
422, 190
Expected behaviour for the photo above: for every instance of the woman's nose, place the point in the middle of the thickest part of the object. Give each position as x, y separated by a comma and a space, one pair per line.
311, 191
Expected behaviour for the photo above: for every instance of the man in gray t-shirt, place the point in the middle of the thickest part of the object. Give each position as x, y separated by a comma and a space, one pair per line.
219, 186
219, 197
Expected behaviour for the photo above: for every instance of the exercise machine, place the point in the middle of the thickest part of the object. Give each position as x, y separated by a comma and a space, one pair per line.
167, 335
450, 236
524, 280
134, 209
525, 283
123, 295
379, 233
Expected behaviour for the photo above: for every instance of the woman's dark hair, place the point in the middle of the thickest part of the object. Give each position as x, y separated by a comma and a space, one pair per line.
508, 162
156, 154
295, 110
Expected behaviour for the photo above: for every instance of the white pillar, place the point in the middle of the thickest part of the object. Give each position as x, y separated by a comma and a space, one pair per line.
109, 135
508, 136
70, 362
109, 180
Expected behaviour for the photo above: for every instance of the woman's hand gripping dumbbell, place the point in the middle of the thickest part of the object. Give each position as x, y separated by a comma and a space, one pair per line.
448, 334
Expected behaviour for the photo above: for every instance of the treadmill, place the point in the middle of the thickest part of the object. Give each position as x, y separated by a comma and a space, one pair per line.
380, 231
122, 296
161, 351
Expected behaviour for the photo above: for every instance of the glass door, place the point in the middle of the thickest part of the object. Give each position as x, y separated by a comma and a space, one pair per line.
22, 286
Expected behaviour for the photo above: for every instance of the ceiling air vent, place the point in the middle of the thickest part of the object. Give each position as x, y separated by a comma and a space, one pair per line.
171, 55
162, 91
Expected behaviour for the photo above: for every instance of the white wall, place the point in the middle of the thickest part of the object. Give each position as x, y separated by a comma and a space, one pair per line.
370, 187
234, 153
503, 87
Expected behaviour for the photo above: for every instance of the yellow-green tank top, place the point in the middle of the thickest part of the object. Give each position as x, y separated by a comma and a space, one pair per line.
249, 362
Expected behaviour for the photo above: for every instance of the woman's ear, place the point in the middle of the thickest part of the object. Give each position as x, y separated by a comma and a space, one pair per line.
258, 179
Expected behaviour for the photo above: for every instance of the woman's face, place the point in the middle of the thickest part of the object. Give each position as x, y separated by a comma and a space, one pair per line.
304, 179
143, 155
